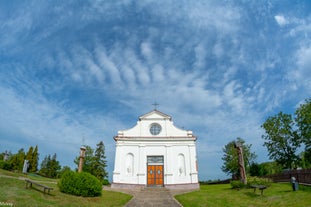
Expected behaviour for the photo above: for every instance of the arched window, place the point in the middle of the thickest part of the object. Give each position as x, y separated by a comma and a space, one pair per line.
181, 165
129, 164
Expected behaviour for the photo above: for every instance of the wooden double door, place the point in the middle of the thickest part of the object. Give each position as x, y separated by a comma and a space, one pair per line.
155, 175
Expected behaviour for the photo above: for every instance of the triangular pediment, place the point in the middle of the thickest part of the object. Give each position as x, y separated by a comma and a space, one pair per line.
155, 114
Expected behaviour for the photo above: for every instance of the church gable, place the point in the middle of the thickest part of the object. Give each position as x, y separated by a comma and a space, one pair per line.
155, 124
155, 114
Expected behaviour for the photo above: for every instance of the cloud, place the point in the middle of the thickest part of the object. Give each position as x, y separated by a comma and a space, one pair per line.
217, 69
281, 20
300, 76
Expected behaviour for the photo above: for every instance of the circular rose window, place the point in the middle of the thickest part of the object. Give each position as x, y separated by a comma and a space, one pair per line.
155, 129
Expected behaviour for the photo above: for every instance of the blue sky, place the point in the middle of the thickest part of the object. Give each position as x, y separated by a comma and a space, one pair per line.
82, 70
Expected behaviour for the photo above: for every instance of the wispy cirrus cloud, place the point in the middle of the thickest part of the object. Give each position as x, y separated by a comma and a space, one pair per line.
218, 68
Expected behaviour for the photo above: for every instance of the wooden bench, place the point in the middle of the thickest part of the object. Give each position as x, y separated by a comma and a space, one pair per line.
45, 188
260, 187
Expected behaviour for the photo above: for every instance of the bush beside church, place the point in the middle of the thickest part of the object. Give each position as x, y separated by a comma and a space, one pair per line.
80, 184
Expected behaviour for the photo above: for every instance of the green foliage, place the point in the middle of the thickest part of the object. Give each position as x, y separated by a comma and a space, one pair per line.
17, 160
99, 162
271, 167
236, 184
5, 165
282, 141
32, 156
230, 157
88, 159
284, 135
303, 122
306, 159
266, 168
80, 184
34, 160
29, 157
95, 163
63, 170
50, 167
105, 182
253, 180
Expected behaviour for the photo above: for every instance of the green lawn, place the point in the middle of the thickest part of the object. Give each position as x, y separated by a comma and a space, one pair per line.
277, 195
12, 190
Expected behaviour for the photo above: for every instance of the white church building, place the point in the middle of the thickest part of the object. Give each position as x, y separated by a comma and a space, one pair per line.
155, 153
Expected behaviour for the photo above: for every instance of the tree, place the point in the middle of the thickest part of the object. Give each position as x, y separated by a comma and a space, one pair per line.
99, 162
34, 161
50, 166
54, 167
44, 166
63, 170
29, 157
282, 141
95, 163
230, 157
303, 122
17, 160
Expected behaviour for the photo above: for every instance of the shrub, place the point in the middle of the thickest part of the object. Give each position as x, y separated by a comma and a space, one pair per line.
236, 184
80, 184
258, 181
105, 182
5, 165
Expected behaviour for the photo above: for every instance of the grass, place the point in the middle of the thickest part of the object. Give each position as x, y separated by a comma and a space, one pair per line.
222, 195
13, 191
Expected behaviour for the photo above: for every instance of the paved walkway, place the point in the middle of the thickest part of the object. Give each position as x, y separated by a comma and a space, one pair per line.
152, 197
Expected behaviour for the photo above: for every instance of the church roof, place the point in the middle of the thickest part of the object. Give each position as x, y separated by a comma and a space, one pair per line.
155, 114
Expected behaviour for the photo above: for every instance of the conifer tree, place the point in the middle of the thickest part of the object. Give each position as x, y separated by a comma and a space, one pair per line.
50, 166
34, 160
29, 157
99, 163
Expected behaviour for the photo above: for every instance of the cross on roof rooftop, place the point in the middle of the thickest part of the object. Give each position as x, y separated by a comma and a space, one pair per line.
155, 104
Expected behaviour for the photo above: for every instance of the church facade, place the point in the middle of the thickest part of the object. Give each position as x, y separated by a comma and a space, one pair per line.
155, 153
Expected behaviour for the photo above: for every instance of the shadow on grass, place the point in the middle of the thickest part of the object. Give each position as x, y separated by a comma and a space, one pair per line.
285, 191
39, 190
253, 195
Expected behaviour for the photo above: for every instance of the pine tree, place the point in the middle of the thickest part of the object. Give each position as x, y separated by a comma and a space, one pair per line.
34, 160
29, 157
50, 167
99, 162
54, 167
44, 165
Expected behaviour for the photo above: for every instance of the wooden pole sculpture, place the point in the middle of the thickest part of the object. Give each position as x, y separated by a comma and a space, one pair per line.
239, 148
82, 155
